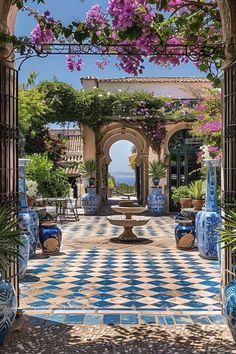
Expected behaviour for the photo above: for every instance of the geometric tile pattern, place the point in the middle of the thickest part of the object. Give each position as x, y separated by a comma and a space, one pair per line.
122, 280
94, 280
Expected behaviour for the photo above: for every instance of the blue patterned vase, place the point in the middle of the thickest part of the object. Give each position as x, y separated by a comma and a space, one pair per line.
229, 306
8, 307
28, 223
50, 238
207, 224
184, 234
90, 202
24, 253
208, 221
156, 201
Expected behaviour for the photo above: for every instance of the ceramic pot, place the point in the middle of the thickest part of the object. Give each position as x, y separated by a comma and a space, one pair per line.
184, 234
185, 203
90, 202
24, 249
156, 201
155, 181
198, 204
8, 307
229, 306
50, 237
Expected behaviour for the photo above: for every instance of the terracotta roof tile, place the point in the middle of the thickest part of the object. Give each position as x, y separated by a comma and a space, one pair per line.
157, 80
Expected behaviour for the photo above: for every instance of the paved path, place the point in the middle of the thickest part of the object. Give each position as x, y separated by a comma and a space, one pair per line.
102, 297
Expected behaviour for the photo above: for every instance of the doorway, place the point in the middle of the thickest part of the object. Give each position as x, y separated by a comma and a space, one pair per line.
184, 167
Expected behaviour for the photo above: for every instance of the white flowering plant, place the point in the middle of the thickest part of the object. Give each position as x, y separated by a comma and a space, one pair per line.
31, 188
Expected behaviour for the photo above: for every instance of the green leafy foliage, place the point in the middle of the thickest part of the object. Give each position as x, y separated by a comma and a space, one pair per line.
179, 193
88, 168
228, 230
52, 182
111, 181
197, 189
9, 236
156, 169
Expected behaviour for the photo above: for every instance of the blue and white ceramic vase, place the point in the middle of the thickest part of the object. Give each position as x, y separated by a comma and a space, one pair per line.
28, 223
229, 306
90, 202
50, 237
8, 307
184, 234
22, 185
156, 201
208, 221
24, 253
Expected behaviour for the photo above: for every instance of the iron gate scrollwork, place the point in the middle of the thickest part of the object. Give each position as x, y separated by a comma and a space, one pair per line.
229, 158
9, 147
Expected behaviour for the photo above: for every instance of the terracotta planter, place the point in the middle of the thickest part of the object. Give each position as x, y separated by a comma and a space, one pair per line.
31, 201
198, 204
186, 203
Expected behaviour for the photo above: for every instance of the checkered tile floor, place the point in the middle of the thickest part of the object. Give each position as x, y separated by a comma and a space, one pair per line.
104, 278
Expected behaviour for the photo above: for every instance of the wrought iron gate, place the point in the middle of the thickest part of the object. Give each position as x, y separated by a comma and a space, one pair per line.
9, 146
229, 158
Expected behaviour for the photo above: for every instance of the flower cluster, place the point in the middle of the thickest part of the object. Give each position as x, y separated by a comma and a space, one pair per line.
101, 64
95, 18
207, 152
74, 62
211, 127
43, 32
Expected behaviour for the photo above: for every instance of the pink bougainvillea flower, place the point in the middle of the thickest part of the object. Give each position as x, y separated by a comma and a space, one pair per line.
74, 62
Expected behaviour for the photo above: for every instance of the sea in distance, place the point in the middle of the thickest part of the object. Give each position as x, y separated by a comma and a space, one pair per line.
124, 177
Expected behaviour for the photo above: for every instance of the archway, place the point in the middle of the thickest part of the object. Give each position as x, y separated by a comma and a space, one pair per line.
121, 177
114, 133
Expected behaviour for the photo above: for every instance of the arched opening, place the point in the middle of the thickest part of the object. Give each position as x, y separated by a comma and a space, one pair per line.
121, 176
116, 133
184, 167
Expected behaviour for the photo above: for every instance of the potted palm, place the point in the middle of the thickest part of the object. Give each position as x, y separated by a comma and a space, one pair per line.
182, 195
9, 251
228, 242
88, 169
156, 170
197, 192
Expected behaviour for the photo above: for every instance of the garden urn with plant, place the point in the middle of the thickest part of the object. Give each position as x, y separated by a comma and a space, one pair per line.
156, 200
88, 169
9, 252
197, 192
182, 196
31, 192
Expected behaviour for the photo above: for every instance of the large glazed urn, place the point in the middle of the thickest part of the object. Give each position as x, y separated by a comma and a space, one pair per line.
208, 221
8, 307
90, 202
50, 237
156, 201
229, 306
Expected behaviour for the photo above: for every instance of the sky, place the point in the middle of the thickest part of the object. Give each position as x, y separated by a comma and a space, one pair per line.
119, 154
55, 66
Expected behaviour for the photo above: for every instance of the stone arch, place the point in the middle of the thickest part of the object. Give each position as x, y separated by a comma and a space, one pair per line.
119, 131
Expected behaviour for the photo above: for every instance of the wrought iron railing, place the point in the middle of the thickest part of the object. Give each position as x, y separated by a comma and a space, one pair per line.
9, 147
229, 159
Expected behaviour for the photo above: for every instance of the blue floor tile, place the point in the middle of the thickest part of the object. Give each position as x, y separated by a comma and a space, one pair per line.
74, 318
93, 319
56, 318
200, 319
148, 319
217, 319
128, 319
182, 320
169, 320
111, 319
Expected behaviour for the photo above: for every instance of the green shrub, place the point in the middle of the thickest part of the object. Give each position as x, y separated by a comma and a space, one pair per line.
181, 192
52, 182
